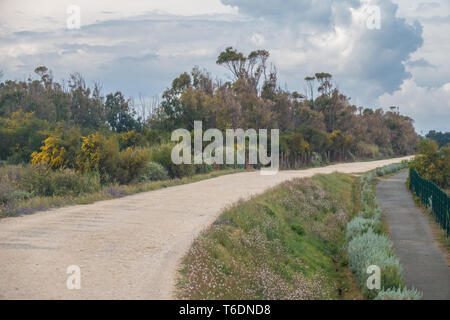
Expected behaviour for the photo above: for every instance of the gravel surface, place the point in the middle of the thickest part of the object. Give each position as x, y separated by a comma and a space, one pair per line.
127, 248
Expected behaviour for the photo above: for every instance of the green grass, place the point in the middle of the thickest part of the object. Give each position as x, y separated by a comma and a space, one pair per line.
107, 193
287, 243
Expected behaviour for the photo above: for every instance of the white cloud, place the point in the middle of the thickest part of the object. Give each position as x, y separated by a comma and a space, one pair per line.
430, 107
258, 39
50, 15
139, 46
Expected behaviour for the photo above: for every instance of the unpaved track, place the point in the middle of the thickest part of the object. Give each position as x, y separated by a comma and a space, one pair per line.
128, 248
424, 266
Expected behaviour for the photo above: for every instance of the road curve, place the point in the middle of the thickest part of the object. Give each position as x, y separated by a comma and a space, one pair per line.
127, 248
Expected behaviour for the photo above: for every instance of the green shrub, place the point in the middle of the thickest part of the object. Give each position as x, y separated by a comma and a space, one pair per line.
6, 192
298, 229
9, 192
101, 154
367, 150
316, 159
203, 168
433, 163
154, 172
163, 155
20, 136
392, 168
131, 164
359, 226
373, 249
40, 180
399, 294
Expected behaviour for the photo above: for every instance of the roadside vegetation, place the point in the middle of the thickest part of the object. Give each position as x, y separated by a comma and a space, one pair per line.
68, 140
433, 163
369, 244
27, 189
305, 239
441, 138
288, 243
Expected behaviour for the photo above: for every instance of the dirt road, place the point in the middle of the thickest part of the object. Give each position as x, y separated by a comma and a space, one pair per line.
127, 248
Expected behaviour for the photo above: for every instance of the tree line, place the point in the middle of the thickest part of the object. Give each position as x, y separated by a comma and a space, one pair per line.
317, 126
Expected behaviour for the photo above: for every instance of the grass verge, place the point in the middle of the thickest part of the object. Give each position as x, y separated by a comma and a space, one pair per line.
370, 249
288, 243
107, 193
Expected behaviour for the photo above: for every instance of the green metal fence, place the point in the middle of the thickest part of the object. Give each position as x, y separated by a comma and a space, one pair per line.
433, 197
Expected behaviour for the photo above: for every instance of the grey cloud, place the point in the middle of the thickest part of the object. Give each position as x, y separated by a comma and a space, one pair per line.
321, 13
378, 55
428, 5
143, 54
420, 63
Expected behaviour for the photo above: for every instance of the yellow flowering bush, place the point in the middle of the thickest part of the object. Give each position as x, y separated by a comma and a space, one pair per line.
98, 153
52, 153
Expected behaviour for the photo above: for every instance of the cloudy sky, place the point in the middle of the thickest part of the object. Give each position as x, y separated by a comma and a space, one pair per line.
139, 46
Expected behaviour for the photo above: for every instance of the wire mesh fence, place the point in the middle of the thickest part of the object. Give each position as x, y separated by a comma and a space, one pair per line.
433, 197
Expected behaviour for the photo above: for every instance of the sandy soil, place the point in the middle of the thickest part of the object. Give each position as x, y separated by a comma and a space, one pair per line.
128, 248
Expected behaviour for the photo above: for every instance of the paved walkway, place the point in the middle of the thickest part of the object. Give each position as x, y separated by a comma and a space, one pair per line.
424, 265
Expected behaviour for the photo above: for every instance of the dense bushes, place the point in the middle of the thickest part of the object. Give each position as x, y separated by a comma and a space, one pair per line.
96, 153
162, 154
358, 226
367, 150
368, 245
370, 249
18, 183
20, 136
154, 172
392, 168
325, 126
41, 180
433, 163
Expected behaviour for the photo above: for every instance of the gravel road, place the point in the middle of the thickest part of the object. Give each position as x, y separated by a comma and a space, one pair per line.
127, 248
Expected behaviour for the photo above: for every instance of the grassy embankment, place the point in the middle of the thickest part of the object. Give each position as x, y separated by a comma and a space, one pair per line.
288, 243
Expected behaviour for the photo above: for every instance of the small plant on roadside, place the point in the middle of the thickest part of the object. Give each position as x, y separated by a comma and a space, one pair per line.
154, 172
368, 244
399, 294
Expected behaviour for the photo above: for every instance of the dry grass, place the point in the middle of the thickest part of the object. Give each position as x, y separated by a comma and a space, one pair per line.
38, 203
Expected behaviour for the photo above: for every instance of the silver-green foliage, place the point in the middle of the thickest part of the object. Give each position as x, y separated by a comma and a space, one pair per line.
371, 249
391, 168
399, 294
358, 226
368, 245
